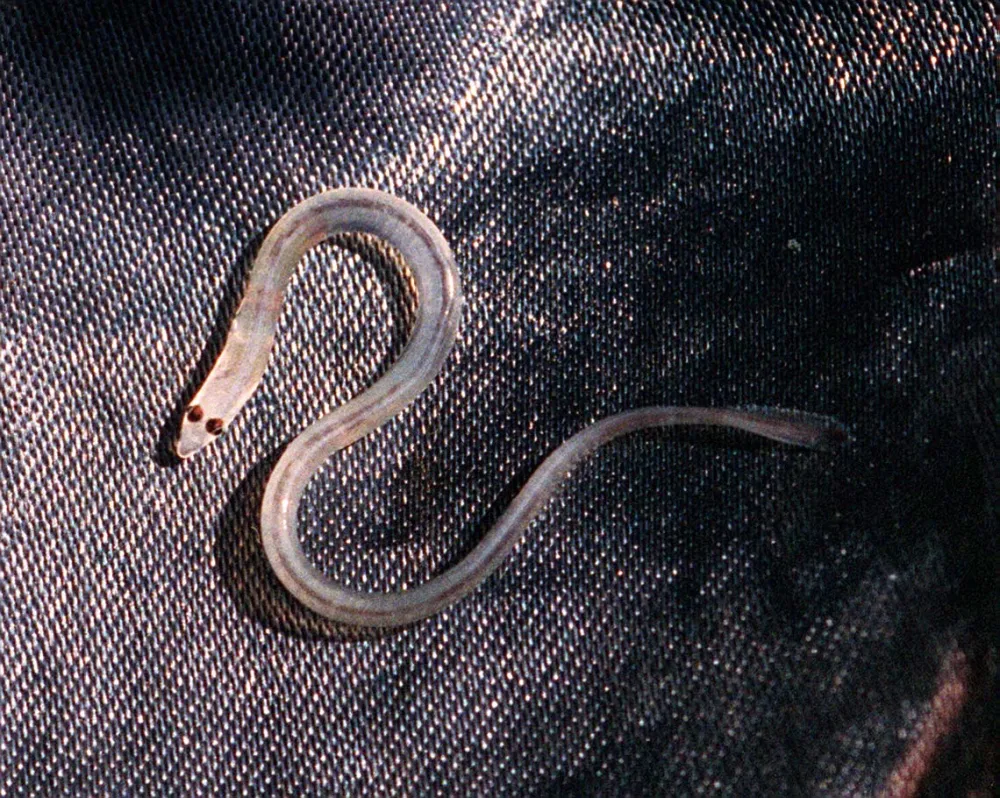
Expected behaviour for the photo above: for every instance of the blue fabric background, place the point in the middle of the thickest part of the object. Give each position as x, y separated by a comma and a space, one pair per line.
694, 202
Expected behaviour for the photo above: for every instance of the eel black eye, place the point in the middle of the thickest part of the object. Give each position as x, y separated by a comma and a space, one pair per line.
214, 426
195, 413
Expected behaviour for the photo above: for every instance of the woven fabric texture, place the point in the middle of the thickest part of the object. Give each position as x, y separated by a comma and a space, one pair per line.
691, 202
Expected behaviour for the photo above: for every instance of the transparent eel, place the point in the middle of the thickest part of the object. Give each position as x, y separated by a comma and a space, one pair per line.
244, 358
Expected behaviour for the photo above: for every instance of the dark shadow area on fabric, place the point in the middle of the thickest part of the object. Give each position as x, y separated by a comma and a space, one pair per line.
640, 768
921, 531
933, 496
929, 487
143, 56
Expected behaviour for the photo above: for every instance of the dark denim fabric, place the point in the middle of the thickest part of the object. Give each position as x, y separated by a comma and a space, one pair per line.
693, 202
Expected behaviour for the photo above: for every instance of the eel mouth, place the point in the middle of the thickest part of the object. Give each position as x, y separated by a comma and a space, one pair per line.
183, 449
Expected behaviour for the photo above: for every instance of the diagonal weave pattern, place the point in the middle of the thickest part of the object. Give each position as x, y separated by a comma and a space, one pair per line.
650, 203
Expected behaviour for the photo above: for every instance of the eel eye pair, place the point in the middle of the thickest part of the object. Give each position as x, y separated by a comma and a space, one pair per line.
196, 414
